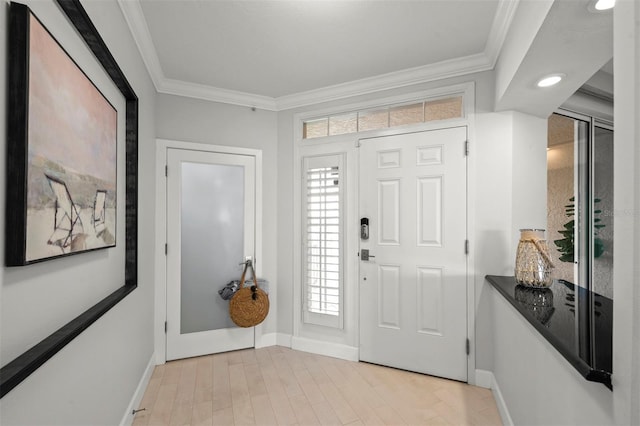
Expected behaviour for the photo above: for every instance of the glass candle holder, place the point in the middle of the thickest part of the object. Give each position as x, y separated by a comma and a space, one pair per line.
533, 263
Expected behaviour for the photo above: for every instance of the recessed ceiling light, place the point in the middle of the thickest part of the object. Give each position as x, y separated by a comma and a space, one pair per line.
596, 6
605, 4
550, 80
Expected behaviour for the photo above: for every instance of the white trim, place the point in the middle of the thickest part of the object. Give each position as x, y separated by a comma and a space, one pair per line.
499, 29
500, 403
487, 380
283, 339
215, 94
160, 315
160, 293
470, 64
265, 340
438, 71
484, 379
470, 110
127, 418
321, 347
133, 14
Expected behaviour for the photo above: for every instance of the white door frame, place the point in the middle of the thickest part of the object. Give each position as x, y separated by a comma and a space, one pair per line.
160, 289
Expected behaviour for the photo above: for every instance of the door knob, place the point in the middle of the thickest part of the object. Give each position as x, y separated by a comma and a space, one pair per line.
364, 254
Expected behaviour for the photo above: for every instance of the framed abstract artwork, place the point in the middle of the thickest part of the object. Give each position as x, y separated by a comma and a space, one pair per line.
63, 153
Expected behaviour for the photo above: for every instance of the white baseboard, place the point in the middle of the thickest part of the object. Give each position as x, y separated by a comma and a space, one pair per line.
502, 405
335, 350
273, 339
283, 340
127, 418
268, 339
486, 379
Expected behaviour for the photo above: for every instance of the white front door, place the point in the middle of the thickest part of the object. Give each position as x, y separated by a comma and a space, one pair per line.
413, 293
210, 231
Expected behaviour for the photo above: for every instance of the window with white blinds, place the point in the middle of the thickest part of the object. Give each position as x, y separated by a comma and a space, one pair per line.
322, 239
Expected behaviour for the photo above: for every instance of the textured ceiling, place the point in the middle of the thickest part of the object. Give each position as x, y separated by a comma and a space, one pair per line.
278, 48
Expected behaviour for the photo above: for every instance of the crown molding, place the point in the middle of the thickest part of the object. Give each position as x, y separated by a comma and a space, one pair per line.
215, 94
438, 71
499, 29
134, 16
132, 11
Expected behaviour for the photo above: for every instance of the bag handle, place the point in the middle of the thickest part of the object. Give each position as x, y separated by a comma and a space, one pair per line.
248, 264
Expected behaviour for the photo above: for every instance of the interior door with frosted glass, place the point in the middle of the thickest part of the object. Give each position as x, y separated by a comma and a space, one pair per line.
413, 285
210, 231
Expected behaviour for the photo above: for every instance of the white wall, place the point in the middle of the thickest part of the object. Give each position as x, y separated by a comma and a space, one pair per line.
526, 23
492, 241
626, 262
538, 384
92, 379
511, 147
193, 120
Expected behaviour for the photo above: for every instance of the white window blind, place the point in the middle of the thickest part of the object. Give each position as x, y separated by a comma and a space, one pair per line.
322, 248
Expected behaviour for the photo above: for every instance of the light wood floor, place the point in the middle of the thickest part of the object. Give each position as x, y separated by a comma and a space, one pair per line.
277, 385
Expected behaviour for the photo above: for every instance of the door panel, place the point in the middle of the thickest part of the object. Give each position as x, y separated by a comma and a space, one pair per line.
210, 220
413, 291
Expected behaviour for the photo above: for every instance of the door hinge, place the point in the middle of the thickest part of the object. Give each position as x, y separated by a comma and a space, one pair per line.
166, 249
166, 171
466, 148
165, 327
466, 246
468, 347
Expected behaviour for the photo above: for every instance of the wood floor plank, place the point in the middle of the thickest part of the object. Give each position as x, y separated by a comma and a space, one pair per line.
181, 413
243, 412
204, 380
202, 414
282, 410
221, 383
172, 371
309, 386
161, 411
289, 382
223, 416
187, 382
303, 411
338, 403
263, 410
255, 381
325, 414
239, 386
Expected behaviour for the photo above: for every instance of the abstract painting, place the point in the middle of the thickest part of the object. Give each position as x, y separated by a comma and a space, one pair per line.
70, 150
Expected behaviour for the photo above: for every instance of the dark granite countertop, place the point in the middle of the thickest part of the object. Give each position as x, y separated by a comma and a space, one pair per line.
576, 321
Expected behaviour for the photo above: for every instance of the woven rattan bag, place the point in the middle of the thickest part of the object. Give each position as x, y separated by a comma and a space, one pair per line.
249, 306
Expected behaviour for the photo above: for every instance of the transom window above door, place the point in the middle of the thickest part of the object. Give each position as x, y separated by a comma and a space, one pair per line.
385, 116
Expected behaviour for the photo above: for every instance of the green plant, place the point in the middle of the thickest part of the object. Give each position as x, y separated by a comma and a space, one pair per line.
566, 245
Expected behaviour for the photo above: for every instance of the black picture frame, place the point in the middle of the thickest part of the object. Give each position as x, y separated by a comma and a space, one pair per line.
20, 368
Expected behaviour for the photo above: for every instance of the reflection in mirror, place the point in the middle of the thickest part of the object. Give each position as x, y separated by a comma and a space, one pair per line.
603, 212
580, 201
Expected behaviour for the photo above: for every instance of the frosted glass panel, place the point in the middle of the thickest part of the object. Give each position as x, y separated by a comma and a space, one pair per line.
212, 238
345, 123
